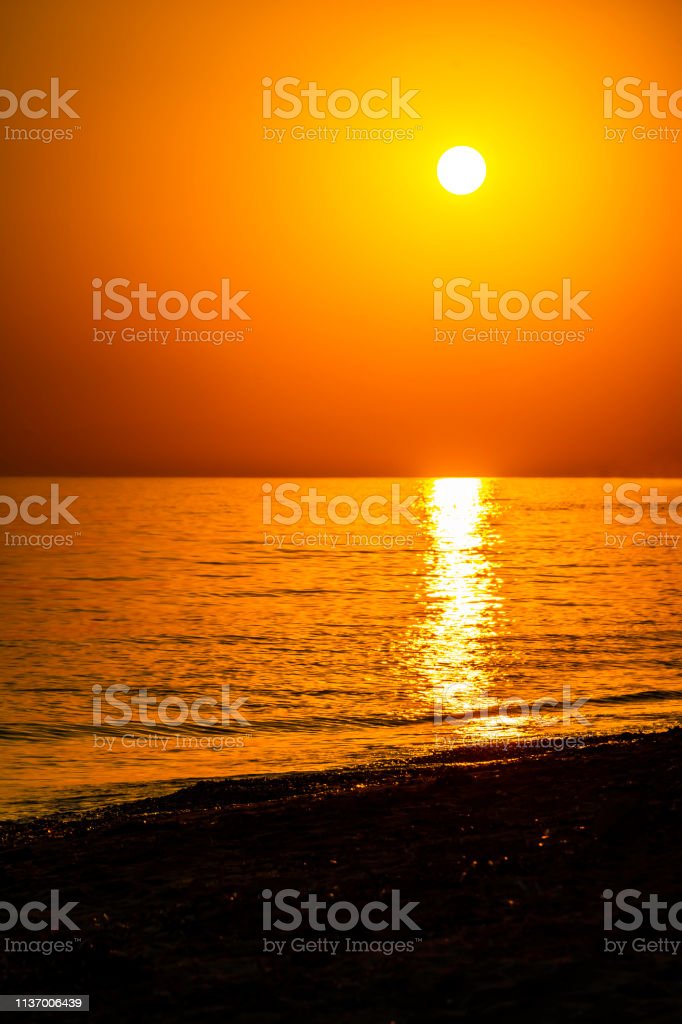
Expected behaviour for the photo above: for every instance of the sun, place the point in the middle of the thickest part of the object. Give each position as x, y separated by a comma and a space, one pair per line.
461, 170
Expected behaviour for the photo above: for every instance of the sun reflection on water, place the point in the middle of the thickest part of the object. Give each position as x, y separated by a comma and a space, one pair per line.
458, 636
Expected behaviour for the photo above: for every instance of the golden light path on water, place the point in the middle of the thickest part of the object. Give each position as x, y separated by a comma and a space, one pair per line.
458, 641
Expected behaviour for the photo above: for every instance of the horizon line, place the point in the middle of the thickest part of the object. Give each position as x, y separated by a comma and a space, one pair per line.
338, 476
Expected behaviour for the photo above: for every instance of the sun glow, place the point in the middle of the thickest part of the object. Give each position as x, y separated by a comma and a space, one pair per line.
461, 170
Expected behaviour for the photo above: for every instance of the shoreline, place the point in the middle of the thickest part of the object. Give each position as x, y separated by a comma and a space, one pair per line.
506, 861
192, 794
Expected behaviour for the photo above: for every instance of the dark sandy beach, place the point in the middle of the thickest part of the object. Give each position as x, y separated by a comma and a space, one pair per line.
507, 859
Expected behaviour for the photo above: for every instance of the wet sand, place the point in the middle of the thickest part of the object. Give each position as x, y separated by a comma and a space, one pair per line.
506, 854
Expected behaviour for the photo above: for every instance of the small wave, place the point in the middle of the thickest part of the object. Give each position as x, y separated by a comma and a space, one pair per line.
638, 697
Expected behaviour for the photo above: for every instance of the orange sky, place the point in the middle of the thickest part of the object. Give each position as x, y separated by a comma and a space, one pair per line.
169, 181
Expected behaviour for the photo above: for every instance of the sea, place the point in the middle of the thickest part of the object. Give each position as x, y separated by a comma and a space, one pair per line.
155, 632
